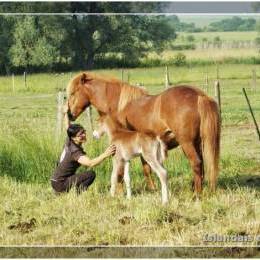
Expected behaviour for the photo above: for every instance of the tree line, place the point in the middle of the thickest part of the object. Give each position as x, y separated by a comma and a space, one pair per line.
232, 24
75, 41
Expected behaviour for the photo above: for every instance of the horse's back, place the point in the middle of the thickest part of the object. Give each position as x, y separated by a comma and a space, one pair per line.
175, 109
180, 111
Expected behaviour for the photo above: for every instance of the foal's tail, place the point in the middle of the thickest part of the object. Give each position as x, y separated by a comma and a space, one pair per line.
162, 150
210, 137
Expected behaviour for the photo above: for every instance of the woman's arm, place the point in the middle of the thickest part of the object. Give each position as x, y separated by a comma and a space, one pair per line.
86, 161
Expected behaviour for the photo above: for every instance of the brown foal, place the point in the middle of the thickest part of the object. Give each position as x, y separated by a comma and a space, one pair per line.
130, 144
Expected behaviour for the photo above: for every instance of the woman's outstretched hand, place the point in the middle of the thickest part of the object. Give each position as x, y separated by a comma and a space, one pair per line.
111, 150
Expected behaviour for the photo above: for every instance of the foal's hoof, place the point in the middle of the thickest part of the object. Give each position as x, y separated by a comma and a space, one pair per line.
119, 189
165, 203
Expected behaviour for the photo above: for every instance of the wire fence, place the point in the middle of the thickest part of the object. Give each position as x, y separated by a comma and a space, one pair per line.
225, 87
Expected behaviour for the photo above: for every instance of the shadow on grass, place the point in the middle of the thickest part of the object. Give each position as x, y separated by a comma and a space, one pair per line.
245, 181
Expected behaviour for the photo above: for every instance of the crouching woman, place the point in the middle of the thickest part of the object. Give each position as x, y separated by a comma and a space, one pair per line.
72, 157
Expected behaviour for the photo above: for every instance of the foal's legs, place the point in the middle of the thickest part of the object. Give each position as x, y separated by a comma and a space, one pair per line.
120, 178
195, 159
148, 174
127, 180
117, 165
161, 173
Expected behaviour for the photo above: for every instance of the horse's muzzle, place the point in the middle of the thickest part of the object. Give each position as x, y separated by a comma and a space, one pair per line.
70, 116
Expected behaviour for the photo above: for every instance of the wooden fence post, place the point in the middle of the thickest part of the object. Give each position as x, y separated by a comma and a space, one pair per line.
167, 80
59, 122
89, 112
218, 95
122, 75
25, 79
13, 82
252, 114
207, 82
254, 80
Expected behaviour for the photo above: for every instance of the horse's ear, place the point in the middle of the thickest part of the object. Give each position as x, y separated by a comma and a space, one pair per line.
84, 78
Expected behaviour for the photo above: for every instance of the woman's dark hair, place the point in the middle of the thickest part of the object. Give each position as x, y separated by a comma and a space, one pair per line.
73, 129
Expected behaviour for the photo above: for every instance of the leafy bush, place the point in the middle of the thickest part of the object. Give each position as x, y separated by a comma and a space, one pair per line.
179, 59
190, 38
180, 47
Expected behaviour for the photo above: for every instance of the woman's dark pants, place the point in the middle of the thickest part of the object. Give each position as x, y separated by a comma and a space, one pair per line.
81, 181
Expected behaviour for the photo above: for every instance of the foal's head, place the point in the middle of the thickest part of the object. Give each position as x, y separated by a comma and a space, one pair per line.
106, 124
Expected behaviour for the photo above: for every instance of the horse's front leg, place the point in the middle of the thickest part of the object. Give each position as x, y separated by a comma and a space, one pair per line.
147, 174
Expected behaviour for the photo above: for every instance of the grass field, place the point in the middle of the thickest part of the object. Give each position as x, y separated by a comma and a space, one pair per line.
209, 55
224, 36
32, 215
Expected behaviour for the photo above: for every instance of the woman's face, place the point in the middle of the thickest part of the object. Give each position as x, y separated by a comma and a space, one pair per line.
80, 137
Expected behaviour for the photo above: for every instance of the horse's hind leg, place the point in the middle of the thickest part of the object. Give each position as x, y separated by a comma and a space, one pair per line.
196, 164
148, 174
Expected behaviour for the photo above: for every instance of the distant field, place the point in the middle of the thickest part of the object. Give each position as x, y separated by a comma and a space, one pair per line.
205, 20
208, 55
224, 36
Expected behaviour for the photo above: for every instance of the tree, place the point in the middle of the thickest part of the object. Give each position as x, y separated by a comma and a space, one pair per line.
190, 38
36, 42
79, 40
233, 24
5, 43
217, 41
131, 36
25, 37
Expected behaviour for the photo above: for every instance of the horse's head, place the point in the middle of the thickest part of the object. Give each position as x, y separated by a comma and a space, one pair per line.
78, 95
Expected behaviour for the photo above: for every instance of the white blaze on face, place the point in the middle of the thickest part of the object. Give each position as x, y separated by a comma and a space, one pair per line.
96, 134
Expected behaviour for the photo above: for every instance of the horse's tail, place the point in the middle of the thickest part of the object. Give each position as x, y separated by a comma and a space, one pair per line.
162, 150
210, 137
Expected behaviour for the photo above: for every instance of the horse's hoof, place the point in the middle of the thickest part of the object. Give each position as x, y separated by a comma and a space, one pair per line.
151, 188
196, 196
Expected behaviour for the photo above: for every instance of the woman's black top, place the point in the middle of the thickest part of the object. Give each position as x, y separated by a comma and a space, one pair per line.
68, 163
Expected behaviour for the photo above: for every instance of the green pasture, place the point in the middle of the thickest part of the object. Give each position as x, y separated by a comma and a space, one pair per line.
32, 215
224, 36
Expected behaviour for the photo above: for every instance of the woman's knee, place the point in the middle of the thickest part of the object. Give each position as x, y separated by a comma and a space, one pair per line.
92, 174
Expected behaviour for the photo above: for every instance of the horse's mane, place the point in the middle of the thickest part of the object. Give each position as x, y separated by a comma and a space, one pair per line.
129, 93
88, 76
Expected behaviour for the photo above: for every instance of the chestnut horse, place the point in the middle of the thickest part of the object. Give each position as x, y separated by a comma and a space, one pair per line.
180, 115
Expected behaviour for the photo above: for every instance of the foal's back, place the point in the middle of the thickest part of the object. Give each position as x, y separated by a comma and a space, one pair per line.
132, 143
